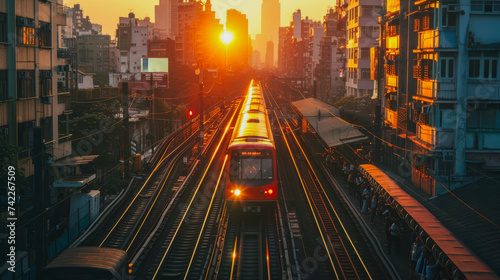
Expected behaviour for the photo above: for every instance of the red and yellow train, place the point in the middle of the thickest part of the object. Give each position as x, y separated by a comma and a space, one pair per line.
251, 173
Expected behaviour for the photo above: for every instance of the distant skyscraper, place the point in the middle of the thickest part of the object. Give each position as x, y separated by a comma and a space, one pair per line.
166, 16
297, 24
270, 22
237, 23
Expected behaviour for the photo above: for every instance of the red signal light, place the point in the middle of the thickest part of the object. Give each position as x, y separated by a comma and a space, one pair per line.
190, 113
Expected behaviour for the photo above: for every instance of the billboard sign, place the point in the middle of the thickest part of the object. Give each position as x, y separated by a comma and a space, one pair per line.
154, 65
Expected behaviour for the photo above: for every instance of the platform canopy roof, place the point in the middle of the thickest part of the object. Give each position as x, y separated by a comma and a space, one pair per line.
324, 118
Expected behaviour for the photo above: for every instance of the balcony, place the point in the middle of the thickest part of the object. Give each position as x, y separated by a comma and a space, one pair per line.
436, 138
391, 118
433, 89
481, 89
428, 39
391, 80
392, 42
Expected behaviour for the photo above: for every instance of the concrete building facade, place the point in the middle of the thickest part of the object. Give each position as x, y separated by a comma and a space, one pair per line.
362, 34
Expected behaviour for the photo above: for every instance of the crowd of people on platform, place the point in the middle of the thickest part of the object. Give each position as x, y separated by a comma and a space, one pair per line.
422, 264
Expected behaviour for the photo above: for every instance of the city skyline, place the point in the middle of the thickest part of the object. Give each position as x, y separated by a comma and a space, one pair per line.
107, 14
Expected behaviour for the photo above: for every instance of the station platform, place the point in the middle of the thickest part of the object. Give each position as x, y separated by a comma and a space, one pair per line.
437, 221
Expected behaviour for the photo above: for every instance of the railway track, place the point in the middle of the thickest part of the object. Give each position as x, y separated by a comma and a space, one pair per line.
348, 253
180, 250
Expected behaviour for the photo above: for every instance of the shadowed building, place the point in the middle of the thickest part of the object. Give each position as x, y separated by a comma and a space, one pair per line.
237, 23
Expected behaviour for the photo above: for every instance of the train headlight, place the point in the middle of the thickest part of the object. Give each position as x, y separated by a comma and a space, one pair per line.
237, 192
270, 191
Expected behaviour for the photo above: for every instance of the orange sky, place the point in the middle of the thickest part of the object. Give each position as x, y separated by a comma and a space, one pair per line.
107, 12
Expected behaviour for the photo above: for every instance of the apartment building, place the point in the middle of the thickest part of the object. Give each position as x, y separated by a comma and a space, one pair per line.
362, 34
450, 119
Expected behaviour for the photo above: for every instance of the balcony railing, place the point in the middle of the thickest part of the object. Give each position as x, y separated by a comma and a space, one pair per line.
391, 117
391, 80
436, 90
438, 139
428, 39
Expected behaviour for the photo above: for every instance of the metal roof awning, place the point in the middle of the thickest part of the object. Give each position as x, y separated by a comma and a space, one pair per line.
75, 181
73, 161
332, 129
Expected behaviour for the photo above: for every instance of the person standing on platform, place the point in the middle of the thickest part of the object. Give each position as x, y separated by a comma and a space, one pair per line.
429, 269
366, 197
373, 208
350, 182
416, 249
345, 169
394, 237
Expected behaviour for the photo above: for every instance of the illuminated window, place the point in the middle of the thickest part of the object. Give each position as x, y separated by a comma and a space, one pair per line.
25, 31
45, 35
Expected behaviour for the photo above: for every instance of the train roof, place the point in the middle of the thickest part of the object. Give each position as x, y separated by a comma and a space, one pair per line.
253, 123
106, 259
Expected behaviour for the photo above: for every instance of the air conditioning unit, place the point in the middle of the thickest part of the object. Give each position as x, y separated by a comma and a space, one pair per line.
46, 74
453, 8
22, 75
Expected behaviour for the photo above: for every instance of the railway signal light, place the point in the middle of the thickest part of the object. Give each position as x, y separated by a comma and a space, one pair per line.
190, 113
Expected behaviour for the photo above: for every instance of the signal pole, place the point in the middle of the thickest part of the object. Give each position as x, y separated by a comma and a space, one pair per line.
201, 104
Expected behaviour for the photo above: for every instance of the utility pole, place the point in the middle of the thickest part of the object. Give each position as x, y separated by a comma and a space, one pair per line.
153, 128
41, 201
126, 137
201, 104
380, 92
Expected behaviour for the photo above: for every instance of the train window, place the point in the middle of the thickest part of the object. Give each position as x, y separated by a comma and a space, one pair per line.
251, 168
267, 168
251, 165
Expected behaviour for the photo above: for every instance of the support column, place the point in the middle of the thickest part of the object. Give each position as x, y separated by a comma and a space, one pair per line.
461, 110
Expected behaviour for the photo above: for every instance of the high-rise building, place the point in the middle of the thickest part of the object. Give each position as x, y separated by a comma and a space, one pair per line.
363, 31
133, 35
33, 117
297, 24
188, 15
238, 54
270, 23
270, 54
94, 53
166, 17
440, 99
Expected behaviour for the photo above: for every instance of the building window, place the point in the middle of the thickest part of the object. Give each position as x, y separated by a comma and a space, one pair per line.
490, 66
474, 68
447, 18
45, 34
427, 22
416, 25
3, 85
447, 68
365, 53
25, 137
3, 27
25, 83
485, 6
45, 83
365, 74
47, 132
25, 31
483, 65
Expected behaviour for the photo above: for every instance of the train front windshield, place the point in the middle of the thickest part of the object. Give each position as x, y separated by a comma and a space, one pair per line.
251, 168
